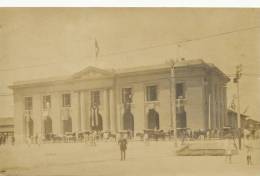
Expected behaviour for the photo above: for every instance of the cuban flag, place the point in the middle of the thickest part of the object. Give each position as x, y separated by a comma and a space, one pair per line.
94, 117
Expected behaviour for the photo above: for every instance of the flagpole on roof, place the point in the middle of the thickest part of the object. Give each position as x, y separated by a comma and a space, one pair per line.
96, 45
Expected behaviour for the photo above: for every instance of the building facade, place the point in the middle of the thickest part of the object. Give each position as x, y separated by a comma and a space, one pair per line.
128, 99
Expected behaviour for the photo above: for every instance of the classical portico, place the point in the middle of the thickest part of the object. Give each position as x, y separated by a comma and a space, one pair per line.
83, 110
93, 100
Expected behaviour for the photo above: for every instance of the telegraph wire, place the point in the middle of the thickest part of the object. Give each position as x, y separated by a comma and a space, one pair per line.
147, 47
184, 41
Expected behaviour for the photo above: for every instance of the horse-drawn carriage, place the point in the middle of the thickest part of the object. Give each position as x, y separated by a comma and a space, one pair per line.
155, 134
51, 137
108, 135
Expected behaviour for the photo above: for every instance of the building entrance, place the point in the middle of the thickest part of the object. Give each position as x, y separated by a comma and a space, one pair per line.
153, 119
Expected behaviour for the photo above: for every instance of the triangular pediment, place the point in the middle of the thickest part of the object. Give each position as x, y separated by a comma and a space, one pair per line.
92, 73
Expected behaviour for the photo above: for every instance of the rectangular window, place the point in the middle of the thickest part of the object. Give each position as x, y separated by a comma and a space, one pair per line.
66, 100
180, 90
28, 103
95, 98
151, 93
46, 102
126, 95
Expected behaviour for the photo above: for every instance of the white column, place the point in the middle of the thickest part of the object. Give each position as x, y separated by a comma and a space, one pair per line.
219, 106
119, 111
37, 115
209, 112
213, 117
82, 111
19, 121
222, 106
75, 111
112, 110
87, 110
55, 113
225, 105
119, 119
105, 110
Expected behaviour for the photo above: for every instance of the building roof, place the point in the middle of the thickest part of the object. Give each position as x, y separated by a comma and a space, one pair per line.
234, 112
112, 72
254, 121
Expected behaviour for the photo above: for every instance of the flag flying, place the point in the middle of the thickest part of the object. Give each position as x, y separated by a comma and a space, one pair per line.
94, 117
96, 48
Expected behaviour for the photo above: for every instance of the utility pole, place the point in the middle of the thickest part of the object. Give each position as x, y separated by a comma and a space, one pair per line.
209, 113
236, 80
173, 101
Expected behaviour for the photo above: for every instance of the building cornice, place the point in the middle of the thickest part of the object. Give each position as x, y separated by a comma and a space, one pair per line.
93, 73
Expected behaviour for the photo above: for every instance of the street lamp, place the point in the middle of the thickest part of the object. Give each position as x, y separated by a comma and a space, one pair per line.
236, 80
173, 99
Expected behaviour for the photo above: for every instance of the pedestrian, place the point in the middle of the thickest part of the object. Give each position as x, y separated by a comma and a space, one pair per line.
29, 141
86, 137
249, 150
228, 150
93, 138
123, 146
146, 139
249, 155
106, 136
118, 137
39, 139
208, 134
36, 139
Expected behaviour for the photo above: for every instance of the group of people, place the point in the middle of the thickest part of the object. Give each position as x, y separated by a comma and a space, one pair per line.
6, 139
121, 139
201, 134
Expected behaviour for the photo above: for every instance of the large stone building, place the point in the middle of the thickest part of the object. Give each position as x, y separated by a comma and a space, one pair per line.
133, 99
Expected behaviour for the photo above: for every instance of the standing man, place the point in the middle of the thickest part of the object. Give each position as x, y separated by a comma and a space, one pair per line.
123, 146
93, 138
228, 150
146, 139
249, 150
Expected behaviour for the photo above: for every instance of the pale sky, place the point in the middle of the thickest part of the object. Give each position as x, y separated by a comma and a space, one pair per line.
39, 43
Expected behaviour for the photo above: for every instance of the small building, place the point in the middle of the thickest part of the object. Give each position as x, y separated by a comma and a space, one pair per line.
7, 126
125, 99
253, 124
232, 119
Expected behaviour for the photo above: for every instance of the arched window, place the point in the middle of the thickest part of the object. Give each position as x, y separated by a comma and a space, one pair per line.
67, 125
181, 121
153, 119
128, 120
47, 126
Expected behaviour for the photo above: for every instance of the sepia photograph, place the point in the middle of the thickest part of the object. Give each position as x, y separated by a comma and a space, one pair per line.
129, 91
